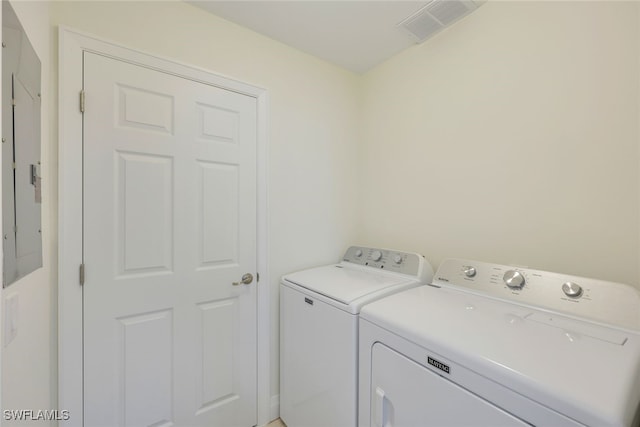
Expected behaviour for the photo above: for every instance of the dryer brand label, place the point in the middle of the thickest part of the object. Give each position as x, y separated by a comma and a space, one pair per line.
439, 365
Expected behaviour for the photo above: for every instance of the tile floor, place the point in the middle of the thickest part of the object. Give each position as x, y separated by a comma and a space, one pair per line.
276, 423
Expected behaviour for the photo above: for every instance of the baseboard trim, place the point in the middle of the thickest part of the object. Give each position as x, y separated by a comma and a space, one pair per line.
274, 412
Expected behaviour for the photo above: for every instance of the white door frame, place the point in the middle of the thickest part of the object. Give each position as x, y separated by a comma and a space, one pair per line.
71, 46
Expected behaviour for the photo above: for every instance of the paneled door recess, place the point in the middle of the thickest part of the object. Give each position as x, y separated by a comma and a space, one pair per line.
169, 232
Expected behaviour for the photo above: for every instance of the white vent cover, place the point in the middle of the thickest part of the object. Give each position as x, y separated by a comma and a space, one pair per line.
435, 16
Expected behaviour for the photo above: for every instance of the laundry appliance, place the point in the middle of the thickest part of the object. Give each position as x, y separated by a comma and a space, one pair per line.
319, 310
492, 345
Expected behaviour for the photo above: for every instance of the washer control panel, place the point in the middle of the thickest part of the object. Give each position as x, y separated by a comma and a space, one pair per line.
386, 259
607, 302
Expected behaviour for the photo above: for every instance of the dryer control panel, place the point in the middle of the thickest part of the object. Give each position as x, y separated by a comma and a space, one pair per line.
408, 263
606, 302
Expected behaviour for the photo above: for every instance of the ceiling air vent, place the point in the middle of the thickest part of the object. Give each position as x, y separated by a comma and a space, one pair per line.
435, 16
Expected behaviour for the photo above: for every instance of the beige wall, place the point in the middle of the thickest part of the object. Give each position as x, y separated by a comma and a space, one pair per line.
28, 362
511, 137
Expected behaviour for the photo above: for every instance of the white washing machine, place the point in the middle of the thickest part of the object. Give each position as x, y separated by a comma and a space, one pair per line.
492, 345
319, 331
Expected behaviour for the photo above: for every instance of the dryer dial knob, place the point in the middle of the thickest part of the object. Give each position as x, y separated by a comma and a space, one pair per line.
376, 255
470, 271
572, 290
358, 253
397, 259
513, 279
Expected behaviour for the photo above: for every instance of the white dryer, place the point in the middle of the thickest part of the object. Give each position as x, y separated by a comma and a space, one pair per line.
319, 311
492, 345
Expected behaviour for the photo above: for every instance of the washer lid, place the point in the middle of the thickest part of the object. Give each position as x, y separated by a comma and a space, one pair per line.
342, 283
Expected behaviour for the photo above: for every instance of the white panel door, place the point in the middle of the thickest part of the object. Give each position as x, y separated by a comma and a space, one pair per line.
169, 225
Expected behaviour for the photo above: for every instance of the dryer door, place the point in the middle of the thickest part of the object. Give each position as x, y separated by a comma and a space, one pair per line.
404, 394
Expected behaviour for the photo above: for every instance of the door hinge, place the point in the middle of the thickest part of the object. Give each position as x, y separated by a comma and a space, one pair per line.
13, 102
82, 101
81, 274
257, 277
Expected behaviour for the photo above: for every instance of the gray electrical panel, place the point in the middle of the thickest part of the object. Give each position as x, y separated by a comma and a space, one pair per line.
21, 136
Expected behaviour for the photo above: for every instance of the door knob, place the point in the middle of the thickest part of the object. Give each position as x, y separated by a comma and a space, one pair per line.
246, 279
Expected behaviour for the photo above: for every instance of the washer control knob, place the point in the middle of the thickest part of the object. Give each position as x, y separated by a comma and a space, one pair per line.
397, 258
513, 279
572, 290
358, 253
470, 271
376, 255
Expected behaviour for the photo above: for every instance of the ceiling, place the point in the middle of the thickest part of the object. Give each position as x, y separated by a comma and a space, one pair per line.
356, 35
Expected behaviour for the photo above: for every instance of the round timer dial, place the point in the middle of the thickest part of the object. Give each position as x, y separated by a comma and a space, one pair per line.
572, 290
513, 279
376, 255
